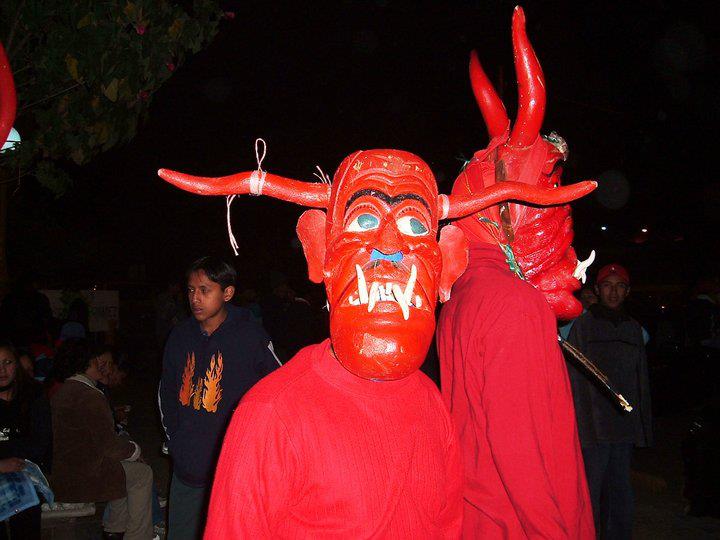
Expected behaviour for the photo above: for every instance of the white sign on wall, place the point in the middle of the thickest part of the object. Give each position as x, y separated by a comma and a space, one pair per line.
103, 306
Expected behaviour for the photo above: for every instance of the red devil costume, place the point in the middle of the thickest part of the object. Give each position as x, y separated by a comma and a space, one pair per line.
349, 439
502, 373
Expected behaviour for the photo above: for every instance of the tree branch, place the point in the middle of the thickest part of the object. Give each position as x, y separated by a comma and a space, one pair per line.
11, 35
43, 100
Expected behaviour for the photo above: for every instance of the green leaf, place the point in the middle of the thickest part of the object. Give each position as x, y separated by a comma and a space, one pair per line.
52, 178
85, 21
78, 156
72, 67
176, 29
130, 10
111, 90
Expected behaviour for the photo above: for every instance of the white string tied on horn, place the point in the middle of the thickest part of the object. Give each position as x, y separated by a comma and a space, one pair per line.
444, 205
233, 242
257, 181
257, 178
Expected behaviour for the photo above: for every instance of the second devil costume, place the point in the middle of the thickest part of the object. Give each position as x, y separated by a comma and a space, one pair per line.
502, 373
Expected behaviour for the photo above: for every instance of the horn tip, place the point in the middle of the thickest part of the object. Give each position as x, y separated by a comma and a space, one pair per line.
167, 174
586, 187
518, 18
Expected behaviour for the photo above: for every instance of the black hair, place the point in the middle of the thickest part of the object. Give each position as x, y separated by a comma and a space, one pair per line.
23, 382
215, 269
8, 345
74, 356
78, 312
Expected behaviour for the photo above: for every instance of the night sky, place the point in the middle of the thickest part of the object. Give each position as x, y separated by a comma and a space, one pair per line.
630, 87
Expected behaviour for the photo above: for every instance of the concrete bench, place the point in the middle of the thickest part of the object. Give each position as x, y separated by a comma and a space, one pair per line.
72, 521
67, 510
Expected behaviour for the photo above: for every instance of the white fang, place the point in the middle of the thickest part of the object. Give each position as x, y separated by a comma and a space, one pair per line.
410, 285
374, 295
582, 267
362, 285
400, 298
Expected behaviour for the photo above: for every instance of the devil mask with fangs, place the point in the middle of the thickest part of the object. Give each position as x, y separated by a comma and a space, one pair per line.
376, 248
539, 238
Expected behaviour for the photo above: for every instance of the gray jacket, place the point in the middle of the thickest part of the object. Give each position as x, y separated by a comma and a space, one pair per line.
614, 342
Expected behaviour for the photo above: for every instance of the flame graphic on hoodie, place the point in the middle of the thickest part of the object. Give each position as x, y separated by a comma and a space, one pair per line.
212, 394
197, 395
187, 388
206, 392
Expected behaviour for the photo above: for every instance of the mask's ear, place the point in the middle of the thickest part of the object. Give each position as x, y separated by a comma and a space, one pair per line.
311, 232
454, 250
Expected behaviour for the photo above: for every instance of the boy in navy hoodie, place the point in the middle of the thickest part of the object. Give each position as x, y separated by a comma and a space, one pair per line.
211, 359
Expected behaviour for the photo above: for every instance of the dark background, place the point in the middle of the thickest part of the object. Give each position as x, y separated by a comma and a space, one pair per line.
631, 87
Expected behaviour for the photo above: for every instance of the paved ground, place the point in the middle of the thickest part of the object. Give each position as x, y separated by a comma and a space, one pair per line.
657, 474
658, 482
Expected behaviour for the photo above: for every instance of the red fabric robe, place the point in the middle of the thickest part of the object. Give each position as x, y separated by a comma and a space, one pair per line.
505, 382
314, 451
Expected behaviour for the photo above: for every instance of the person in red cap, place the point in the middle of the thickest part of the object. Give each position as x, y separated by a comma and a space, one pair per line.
614, 341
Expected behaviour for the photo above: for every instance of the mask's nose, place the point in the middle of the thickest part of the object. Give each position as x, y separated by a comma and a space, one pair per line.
377, 255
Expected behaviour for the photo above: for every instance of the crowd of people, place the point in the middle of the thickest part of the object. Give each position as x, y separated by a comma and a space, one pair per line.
55, 407
58, 414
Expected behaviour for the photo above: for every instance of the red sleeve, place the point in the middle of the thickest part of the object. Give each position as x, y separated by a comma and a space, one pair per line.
451, 518
517, 401
255, 476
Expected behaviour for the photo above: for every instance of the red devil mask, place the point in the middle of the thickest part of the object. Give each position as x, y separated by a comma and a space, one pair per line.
376, 248
540, 238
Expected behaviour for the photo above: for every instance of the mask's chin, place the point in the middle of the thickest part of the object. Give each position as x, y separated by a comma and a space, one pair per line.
380, 346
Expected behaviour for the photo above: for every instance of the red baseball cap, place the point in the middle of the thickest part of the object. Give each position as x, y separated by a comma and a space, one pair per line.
610, 269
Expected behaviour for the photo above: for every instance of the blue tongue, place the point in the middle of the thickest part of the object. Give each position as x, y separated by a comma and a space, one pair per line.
379, 256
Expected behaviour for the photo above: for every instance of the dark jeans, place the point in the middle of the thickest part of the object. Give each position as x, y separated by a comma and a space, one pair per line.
22, 526
607, 467
187, 510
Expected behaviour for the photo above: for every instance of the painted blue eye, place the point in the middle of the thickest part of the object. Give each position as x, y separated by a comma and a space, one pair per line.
364, 222
411, 226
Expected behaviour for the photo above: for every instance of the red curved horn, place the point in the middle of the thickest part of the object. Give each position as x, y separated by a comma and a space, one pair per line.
8, 98
531, 86
516, 191
491, 106
316, 195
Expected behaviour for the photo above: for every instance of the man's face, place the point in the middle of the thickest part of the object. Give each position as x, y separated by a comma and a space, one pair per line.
612, 291
8, 368
382, 269
206, 297
115, 376
104, 365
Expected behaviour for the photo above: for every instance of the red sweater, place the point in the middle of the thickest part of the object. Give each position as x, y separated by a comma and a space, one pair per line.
506, 384
314, 451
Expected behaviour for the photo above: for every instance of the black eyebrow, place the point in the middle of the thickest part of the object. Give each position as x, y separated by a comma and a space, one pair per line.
392, 201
